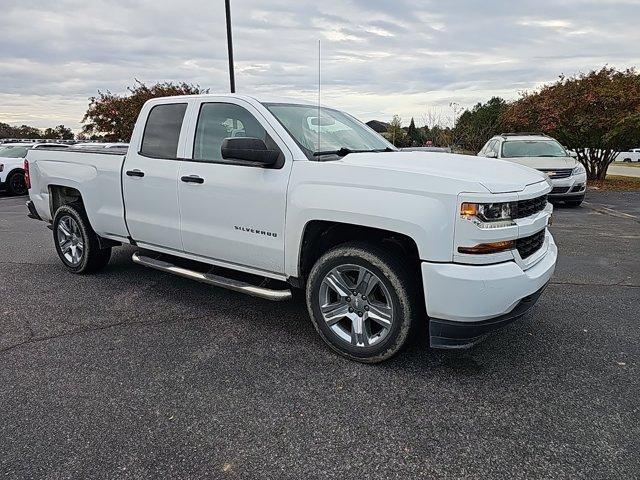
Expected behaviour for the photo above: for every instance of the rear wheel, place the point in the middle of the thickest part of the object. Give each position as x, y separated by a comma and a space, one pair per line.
16, 184
76, 242
362, 302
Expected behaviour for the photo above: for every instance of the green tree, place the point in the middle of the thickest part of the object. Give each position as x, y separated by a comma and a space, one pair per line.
474, 127
595, 114
26, 131
112, 117
395, 133
414, 135
6, 130
59, 133
442, 136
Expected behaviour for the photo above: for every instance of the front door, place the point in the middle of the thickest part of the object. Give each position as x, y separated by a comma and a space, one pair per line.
150, 179
231, 211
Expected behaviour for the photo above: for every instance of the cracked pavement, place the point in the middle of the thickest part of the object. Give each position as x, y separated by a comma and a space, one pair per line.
133, 373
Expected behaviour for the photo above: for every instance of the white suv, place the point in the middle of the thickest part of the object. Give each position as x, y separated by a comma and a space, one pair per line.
12, 164
568, 176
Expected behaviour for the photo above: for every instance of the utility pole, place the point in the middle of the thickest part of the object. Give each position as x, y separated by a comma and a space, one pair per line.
232, 79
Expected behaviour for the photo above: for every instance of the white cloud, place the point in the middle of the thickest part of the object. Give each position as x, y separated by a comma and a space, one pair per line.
379, 57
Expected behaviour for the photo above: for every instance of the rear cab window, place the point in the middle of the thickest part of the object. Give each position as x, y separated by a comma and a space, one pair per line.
162, 131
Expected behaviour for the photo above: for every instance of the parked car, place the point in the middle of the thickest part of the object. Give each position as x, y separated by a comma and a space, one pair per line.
269, 197
632, 155
11, 168
568, 176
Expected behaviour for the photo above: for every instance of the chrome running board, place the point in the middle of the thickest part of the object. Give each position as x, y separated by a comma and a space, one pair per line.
213, 279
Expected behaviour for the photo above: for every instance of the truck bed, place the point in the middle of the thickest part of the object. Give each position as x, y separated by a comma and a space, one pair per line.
97, 174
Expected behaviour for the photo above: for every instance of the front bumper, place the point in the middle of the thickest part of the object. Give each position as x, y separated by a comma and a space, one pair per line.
452, 335
573, 186
481, 298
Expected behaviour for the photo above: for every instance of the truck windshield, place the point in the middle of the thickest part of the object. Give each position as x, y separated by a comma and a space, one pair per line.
532, 148
334, 134
13, 152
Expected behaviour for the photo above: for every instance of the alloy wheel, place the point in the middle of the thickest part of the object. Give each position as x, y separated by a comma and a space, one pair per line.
356, 305
70, 241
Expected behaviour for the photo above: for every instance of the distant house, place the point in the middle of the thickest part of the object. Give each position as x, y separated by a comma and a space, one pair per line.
378, 126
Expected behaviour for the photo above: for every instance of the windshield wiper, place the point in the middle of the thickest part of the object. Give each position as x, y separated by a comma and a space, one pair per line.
344, 151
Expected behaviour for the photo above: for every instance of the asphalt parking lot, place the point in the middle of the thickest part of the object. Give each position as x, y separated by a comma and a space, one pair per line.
133, 373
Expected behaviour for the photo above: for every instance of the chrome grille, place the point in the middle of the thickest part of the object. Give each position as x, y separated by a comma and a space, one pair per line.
555, 173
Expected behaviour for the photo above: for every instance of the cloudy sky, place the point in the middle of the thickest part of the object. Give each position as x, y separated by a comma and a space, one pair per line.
406, 57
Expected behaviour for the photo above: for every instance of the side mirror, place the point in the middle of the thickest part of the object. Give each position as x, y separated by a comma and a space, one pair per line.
248, 149
573, 154
491, 155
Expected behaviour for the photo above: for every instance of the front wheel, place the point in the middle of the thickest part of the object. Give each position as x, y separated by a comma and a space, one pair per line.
362, 301
76, 242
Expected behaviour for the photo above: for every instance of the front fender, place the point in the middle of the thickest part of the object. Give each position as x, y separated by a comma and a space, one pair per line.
427, 220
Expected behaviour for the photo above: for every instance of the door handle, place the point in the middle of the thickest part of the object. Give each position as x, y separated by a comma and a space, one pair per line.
135, 173
192, 179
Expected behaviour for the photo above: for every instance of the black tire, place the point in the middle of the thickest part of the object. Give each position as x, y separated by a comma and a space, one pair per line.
93, 258
16, 184
401, 286
574, 203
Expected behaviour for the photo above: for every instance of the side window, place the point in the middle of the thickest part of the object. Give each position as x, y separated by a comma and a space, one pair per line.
218, 121
162, 131
484, 149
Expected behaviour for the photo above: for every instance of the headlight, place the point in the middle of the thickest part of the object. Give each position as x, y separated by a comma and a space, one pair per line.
488, 215
578, 169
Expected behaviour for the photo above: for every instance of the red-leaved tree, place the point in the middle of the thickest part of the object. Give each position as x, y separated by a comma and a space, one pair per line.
113, 116
595, 114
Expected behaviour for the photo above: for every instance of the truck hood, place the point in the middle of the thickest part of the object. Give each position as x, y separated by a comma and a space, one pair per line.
547, 163
497, 176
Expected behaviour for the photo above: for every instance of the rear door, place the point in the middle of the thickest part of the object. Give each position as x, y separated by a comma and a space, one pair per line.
235, 213
150, 176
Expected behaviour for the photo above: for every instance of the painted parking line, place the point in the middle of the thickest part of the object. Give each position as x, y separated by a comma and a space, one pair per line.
610, 211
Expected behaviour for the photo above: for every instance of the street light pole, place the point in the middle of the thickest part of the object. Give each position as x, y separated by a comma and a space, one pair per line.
232, 79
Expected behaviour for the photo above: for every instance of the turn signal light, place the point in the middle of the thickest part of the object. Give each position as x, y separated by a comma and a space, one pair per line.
485, 248
468, 209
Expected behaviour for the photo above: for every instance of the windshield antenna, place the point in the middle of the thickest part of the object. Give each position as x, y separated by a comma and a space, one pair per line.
319, 78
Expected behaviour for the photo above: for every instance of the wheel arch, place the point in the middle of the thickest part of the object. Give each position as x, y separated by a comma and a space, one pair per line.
60, 195
15, 170
319, 236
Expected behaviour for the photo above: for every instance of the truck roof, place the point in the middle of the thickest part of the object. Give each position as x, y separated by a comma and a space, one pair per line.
261, 98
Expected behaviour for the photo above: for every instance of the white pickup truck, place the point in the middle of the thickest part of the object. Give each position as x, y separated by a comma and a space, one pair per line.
265, 197
629, 156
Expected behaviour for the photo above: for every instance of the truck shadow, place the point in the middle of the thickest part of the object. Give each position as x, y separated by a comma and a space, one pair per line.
289, 320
